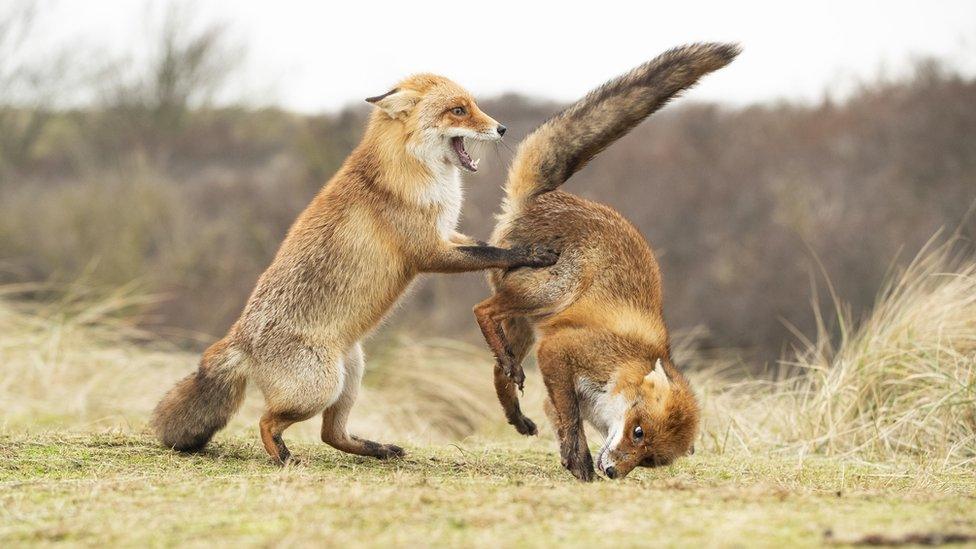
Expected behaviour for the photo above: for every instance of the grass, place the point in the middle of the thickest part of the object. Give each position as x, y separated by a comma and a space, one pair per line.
870, 441
902, 381
125, 490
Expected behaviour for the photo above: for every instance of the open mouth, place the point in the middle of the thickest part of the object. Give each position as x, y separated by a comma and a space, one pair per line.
457, 143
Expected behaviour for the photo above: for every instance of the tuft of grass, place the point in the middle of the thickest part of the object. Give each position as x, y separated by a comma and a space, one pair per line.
900, 382
77, 363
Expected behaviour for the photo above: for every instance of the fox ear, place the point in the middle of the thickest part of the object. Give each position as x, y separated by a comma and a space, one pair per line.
396, 102
657, 376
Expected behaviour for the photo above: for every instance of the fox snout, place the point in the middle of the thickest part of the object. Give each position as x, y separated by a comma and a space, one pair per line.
615, 466
491, 131
495, 133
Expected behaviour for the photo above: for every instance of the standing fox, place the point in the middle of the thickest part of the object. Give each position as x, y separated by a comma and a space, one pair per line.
387, 215
604, 350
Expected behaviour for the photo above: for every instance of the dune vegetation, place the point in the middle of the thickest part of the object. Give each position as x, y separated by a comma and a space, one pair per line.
870, 438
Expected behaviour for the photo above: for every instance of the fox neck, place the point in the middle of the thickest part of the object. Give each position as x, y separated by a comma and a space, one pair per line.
413, 168
604, 405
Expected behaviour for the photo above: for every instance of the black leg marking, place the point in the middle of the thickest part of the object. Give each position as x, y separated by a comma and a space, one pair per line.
284, 455
380, 451
487, 253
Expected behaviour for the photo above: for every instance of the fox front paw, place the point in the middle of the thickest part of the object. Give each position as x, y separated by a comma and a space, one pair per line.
580, 465
536, 255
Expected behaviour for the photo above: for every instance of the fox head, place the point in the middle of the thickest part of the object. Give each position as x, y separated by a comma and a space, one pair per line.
656, 421
436, 116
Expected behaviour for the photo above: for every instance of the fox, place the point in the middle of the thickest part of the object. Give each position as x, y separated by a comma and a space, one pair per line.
388, 214
604, 350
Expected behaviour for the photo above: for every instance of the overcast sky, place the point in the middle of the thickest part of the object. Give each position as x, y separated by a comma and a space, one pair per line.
321, 55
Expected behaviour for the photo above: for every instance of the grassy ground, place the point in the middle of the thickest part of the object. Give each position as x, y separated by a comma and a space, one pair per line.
124, 489
873, 441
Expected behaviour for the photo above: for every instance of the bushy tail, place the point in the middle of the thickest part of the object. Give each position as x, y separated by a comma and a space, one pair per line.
201, 403
564, 144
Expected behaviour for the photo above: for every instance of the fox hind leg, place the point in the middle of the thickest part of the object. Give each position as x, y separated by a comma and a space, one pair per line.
272, 425
490, 314
520, 337
519, 295
298, 381
334, 417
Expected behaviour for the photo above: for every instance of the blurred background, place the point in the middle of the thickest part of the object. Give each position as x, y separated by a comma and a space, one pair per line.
165, 147
154, 153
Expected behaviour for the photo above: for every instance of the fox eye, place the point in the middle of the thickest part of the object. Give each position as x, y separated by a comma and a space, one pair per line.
459, 111
638, 433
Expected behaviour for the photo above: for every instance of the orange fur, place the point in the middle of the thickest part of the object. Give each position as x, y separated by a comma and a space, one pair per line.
604, 349
386, 216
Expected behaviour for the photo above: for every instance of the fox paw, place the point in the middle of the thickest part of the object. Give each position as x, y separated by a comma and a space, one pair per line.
288, 460
514, 372
390, 451
536, 255
380, 451
585, 474
524, 426
580, 465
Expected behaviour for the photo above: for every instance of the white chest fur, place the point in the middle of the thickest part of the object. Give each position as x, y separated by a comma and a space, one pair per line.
445, 193
599, 406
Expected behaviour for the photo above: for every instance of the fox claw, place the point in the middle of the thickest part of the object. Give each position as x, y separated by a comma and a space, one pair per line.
515, 373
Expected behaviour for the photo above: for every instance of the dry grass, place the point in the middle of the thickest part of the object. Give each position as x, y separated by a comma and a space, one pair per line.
873, 435
126, 490
78, 365
901, 382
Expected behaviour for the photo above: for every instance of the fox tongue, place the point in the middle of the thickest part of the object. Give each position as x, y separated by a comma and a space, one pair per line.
457, 143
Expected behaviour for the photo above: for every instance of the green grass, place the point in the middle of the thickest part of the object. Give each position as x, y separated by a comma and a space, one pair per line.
873, 441
126, 490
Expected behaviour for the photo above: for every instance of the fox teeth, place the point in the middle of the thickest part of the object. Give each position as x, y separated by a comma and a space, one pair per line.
475, 163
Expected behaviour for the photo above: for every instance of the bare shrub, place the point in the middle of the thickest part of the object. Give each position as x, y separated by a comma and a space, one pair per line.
737, 202
30, 84
148, 106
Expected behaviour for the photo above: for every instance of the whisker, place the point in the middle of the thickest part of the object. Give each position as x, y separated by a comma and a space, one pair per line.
498, 154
